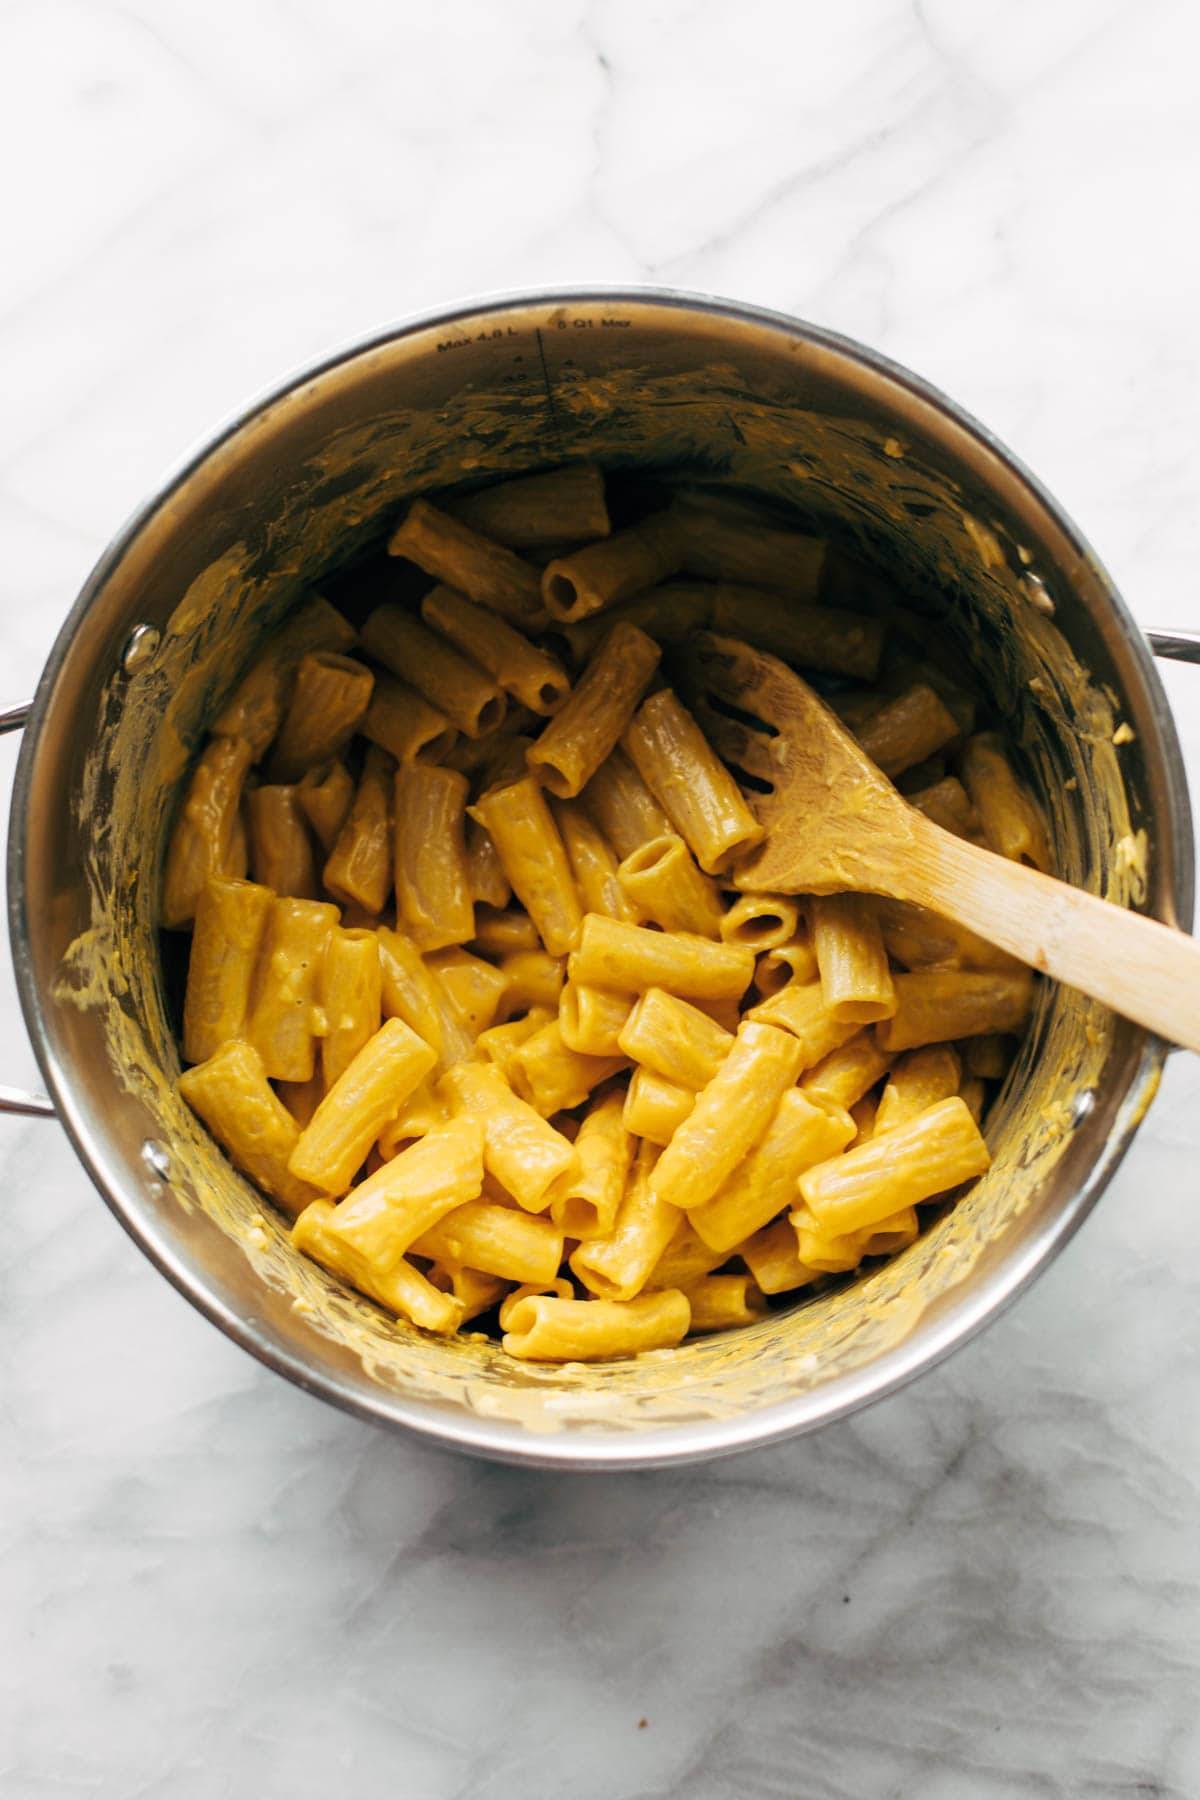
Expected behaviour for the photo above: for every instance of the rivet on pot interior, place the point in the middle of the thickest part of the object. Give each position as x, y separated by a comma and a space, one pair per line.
157, 1159
141, 647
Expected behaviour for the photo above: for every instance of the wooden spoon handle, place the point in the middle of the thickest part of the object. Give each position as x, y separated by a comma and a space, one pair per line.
1147, 971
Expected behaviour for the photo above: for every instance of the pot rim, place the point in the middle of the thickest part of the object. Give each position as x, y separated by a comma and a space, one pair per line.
967, 1312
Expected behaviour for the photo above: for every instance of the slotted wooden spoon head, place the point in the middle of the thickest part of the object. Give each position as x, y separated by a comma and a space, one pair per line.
834, 822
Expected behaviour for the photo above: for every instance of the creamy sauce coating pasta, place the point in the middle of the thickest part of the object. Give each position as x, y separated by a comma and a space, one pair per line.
585, 1095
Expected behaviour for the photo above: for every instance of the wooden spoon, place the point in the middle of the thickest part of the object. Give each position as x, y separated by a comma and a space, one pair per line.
835, 823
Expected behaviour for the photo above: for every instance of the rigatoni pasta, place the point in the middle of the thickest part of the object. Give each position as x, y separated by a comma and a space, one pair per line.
593, 865
622, 805
542, 1327
847, 1073
454, 685
855, 978
518, 820
825, 1252
668, 614
533, 676
584, 1203
369, 1090
500, 1043
719, 1302
405, 724
499, 933
814, 637
282, 857
586, 727
730, 1114
592, 1019
655, 1106
973, 1094
231, 1093
686, 1260
475, 987
674, 1039
500, 1240
800, 1134
486, 879
389, 1210
632, 959
350, 990
930, 1153
532, 978
613, 569
282, 1019
560, 1287
496, 1021
467, 560
475, 1291
699, 795
326, 794
773, 1258
410, 992
1012, 824
894, 1233
989, 1055
402, 1289
802, 1009
205, 840
947, 803
425, 1110
552, 1076
524, 1153
617, 1267
864, 1115
918, 1080
358, 869
907, 729
530, 512
434, 900
302, 1098
784, 964
231, 917
916, 938
732, 544
761, 921
255, 709
330, 696
935, 1004
664, 885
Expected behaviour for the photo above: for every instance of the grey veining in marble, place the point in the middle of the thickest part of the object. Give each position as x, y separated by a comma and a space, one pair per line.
212, 1586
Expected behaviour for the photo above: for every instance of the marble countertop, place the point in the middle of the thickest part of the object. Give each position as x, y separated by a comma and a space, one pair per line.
213, 1585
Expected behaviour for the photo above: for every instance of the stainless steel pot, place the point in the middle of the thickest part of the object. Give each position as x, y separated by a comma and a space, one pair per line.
300, 483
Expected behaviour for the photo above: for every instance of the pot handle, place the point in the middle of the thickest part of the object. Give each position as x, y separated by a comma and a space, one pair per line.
16, 1100
1176, 646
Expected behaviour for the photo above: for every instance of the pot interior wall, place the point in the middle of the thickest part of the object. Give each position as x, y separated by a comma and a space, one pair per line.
305, 488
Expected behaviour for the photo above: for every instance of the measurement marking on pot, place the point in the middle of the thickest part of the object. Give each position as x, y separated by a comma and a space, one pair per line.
555, 424
492, 335
586, 324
